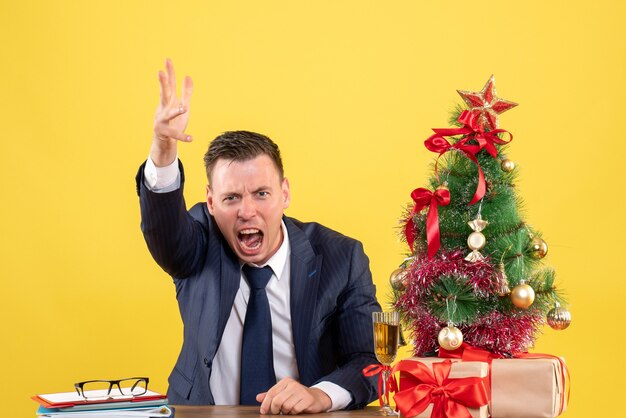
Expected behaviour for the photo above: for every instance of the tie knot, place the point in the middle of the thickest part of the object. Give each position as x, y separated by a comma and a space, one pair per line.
257, 276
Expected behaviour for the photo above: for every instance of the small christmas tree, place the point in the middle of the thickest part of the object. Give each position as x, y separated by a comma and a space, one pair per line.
495, 294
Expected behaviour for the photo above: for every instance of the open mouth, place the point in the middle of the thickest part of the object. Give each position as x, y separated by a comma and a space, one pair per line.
250, 239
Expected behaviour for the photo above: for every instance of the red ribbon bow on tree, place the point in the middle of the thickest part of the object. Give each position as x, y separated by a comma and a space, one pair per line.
450, 397
423, 198
392, 385
472, 130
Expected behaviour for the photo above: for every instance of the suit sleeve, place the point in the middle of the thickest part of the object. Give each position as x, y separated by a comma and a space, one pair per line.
354, 332
175, 239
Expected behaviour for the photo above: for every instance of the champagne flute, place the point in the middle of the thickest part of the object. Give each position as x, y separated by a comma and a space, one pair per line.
386, 335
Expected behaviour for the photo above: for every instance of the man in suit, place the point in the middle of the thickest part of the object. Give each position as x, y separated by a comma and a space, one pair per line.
295, 343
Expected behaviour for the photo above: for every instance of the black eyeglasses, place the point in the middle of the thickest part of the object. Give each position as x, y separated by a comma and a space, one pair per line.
101, 389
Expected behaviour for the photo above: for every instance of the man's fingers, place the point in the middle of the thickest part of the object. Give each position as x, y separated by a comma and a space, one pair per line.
278, 402
164, 88
299, 408
171, 77
294, 405
167, 132
169, 114
268, 400
187, 90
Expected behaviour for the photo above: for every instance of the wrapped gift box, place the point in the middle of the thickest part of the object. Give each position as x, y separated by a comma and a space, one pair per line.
459, 369
527, 388
520, 388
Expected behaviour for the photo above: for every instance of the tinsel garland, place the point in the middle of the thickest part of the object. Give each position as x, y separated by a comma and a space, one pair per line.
423, 272
496, 331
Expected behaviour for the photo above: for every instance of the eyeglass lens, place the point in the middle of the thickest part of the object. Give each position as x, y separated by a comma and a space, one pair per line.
125, 387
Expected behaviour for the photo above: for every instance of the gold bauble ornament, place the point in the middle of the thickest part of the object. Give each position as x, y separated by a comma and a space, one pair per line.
559, 318
450, 338
399, 279
507, 165
443, 186
523, 295
538, 248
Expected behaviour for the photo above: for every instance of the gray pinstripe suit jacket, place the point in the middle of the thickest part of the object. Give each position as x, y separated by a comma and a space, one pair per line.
332, 296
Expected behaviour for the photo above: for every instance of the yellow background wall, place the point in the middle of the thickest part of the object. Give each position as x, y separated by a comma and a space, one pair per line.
349, 89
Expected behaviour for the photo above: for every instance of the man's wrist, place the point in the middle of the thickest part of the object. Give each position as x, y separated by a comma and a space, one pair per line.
324, 400
163, 153
339, 397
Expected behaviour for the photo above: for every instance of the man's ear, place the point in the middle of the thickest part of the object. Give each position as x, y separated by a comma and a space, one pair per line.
209, 199
286, 193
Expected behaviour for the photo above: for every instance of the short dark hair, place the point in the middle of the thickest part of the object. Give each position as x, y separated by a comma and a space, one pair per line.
241, 146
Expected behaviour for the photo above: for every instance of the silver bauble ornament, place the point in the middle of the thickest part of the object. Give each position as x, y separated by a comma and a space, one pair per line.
399, 279
559, 318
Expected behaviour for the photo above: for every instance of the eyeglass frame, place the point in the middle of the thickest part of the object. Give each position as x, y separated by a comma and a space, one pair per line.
79, 386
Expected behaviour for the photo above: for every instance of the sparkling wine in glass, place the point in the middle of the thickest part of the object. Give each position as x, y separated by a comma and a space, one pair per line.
386, 337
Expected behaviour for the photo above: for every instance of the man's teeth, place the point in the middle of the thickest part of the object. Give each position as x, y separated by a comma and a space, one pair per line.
251, 238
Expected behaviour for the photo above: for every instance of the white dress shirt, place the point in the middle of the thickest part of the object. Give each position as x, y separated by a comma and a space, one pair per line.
225, 374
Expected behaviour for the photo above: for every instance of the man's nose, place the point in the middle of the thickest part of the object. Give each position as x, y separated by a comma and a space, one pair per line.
247, 209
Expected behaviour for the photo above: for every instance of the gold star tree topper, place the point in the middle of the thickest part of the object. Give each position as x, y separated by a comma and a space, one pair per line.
485, 105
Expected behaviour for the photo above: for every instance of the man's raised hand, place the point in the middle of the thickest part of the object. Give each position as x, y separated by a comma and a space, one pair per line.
172, 115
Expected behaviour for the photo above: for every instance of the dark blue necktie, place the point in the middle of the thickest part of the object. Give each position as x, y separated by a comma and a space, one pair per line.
257, 361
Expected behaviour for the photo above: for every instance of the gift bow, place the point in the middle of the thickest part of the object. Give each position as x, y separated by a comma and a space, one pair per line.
441, 145
392, 385
450, 397
423, 198
472, 130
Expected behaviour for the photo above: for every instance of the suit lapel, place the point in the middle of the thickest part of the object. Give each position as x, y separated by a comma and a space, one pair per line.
230, 279
304, 282
221, 285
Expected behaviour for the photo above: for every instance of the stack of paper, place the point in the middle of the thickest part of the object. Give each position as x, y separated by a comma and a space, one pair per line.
71, 404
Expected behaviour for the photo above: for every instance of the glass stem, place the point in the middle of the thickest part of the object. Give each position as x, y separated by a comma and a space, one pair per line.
386, 406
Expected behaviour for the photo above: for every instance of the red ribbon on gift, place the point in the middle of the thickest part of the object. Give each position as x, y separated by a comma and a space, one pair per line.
450, 397
423, 198
468, 352
472, 130
392, 385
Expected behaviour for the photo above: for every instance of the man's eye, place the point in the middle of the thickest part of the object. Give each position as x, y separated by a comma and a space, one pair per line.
264, 194
229, 198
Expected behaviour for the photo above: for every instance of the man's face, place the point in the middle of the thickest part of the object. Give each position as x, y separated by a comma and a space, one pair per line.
247, 199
